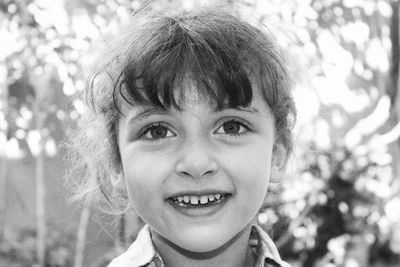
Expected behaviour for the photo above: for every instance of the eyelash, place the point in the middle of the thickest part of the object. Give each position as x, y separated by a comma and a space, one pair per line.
241, 124
151, 126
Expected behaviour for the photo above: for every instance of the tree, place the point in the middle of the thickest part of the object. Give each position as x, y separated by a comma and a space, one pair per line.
343, 188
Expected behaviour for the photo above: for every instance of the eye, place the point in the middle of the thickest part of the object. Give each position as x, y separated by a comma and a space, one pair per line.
233, 127
156, 131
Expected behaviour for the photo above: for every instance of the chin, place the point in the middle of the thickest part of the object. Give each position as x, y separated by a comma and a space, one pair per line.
202, 247
201, 242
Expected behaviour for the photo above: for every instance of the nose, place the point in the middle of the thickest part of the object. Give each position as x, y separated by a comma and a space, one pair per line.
196, 160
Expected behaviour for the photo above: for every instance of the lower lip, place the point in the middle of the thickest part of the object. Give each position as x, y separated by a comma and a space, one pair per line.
199, 211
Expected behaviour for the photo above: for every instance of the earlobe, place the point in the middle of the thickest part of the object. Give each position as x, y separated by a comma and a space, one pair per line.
278, 164
118, 183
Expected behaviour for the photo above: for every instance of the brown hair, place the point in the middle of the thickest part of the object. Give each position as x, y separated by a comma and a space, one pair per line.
146, 64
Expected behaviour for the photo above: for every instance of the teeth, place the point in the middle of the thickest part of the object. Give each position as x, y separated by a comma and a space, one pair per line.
196, 200
203, 199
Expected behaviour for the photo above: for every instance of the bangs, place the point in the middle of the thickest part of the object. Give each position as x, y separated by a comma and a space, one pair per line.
173, 55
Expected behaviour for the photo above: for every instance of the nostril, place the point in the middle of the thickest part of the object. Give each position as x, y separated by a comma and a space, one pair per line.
188, 174
210, 172
185, 173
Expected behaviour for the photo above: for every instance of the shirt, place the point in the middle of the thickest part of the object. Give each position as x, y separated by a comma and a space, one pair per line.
142, 252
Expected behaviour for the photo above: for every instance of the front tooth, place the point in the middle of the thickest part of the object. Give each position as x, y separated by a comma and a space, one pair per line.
186, 199
217, 196
203, 199
180, 199
211, 197
194, 200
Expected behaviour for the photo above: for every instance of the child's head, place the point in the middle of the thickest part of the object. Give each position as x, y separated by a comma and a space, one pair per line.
188, 108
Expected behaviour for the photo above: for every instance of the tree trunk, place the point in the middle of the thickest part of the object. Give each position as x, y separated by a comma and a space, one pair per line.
3, 160
392, 89
396, 94
44, 93
393, 81
122, 231
40, 192
3, 194
82, 230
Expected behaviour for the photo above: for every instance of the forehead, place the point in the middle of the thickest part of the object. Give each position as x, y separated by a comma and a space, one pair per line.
189, 95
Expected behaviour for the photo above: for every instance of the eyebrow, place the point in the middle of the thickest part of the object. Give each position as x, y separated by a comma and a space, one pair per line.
147, 112
247, 109
150, 111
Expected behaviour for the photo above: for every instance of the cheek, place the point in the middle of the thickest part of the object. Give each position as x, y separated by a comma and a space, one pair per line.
144, 177
251, 172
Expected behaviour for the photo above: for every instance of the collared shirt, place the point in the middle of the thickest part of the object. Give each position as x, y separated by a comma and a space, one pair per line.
142, 252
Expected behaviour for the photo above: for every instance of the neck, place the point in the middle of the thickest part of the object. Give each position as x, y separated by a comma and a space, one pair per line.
236, 252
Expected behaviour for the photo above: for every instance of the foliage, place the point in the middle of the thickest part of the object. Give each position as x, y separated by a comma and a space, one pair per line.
339, 202
337, 208
20, 251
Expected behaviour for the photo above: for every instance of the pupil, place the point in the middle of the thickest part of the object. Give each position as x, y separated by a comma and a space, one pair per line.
231, 127
158, 132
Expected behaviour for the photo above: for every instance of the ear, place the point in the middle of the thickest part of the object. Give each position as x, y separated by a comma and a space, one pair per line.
118, 183
278, 164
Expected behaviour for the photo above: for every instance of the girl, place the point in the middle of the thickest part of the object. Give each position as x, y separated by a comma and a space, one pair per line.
189, 119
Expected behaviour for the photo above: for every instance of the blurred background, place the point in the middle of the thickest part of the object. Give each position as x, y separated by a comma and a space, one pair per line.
339, 205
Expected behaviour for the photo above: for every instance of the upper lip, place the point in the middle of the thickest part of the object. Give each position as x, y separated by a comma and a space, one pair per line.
198, 193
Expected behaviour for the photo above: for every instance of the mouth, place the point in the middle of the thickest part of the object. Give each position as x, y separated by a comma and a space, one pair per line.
198, 201
199, 204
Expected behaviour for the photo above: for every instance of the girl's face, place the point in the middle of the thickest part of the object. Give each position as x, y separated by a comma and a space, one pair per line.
197, 176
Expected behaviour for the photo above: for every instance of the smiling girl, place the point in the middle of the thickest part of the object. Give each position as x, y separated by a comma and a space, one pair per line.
189, 116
